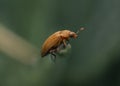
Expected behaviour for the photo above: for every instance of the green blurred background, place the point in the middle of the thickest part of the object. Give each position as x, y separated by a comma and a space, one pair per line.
94, 59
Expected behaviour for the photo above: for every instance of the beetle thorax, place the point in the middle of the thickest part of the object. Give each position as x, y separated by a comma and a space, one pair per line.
65, 34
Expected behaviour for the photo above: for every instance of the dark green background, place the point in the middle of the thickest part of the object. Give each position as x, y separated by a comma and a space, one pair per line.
94, 59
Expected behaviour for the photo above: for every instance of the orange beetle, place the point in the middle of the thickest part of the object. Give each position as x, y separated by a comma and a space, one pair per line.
56, 40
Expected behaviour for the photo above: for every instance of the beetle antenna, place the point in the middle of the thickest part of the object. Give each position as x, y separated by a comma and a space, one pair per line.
81, 29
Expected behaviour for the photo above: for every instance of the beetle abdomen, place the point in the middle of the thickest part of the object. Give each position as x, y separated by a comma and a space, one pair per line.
51, 43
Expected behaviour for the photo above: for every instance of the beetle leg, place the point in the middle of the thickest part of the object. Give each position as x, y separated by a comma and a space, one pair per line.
67, 42
62, 46
53, 56
64, 42
58, 49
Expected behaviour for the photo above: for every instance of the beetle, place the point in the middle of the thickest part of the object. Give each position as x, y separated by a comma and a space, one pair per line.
57, 40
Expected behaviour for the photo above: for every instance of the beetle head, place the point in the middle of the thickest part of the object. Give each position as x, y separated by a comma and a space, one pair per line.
73, 35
